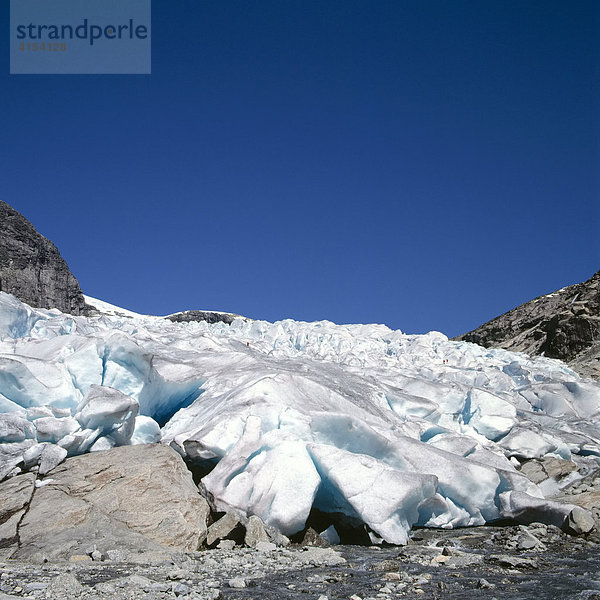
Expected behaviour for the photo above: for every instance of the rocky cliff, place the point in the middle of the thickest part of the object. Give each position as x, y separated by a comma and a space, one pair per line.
564, 325
32, 269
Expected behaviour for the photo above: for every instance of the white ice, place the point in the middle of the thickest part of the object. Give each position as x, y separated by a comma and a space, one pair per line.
391, 429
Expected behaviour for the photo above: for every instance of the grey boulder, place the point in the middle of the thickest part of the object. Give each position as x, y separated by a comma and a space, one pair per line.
138, 499
579, 521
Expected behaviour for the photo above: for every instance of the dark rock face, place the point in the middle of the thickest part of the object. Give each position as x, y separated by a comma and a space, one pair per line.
32, 269
202, 315
564, 325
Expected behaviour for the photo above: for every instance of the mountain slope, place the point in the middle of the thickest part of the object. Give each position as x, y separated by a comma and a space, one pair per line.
32, 268
564, 325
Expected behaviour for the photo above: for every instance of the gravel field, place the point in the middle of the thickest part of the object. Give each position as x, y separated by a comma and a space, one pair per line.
536, 561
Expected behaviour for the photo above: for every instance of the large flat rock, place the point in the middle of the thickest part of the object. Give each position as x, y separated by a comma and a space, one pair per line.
131, 498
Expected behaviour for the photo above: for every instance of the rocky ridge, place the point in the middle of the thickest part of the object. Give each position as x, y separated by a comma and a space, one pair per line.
564, 324
188, 316
32, 269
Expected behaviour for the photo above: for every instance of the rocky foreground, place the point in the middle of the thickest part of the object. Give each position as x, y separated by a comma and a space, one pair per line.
537, 561
130, 523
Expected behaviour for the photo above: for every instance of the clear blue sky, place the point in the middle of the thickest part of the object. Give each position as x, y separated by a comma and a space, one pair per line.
424, 164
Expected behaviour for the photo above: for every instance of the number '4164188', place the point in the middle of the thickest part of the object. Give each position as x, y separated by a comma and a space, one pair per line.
43, 47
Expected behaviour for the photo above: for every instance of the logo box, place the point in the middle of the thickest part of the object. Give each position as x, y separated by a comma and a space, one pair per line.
80, 37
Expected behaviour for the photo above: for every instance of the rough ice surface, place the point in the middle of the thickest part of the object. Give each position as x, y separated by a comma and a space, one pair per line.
391, 430
270, 475
386, 499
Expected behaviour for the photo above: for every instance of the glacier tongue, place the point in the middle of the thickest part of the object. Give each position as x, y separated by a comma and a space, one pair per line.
391, 430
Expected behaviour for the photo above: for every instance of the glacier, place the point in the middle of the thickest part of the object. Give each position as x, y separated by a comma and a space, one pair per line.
389, 430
